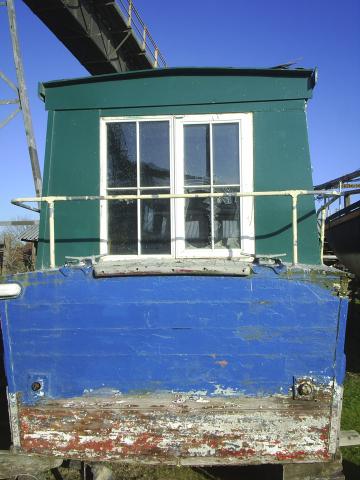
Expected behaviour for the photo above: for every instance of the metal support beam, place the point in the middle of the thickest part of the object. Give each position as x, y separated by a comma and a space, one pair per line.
9, 117
15, 223
24, 101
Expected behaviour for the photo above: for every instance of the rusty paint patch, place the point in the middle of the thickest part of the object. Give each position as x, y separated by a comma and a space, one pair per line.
197, 430
222, 363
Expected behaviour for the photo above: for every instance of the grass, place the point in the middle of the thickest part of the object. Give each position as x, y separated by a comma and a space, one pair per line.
351, 414
351, 405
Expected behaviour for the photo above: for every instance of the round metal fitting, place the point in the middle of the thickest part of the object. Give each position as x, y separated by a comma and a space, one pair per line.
36, 386
305, 389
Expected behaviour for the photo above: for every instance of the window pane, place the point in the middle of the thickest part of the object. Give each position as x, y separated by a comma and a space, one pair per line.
226, 221
197, 220
122, 226
154, 154
121, 154
155, 225
196, 155
226, 153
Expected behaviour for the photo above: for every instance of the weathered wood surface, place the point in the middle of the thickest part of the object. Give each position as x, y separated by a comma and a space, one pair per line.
173, 267
315, 471
14, 464
349, 438
180, 429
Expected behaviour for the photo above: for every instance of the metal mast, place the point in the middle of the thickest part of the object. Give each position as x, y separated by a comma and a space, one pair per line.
22, 99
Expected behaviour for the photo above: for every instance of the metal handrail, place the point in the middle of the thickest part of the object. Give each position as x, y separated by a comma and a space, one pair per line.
294, 194
142, 34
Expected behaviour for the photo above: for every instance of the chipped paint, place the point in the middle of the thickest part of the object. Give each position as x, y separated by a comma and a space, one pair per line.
158, 428
222, 363
14, 419
334, 431
180, 370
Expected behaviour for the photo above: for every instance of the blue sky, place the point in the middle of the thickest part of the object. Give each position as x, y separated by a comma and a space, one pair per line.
256, 33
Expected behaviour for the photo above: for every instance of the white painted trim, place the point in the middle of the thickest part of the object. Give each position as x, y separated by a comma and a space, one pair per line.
103, 176
138, 206
179, 187
212, 212
103, 180
172, 187
247, 228
247, 184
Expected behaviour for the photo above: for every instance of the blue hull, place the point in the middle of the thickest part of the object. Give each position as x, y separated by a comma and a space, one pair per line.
158, 338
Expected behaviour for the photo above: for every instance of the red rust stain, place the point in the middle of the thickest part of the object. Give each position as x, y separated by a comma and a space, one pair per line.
211, 441
239, 453
323, 453
97, 446
298, 455
144, 444
222, 363
105, 433
324, 434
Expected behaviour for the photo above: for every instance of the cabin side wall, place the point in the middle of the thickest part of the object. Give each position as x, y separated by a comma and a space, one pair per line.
281, 154
72, 168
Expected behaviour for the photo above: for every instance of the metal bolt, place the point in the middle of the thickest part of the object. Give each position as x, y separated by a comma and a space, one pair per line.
305, 389
36, 386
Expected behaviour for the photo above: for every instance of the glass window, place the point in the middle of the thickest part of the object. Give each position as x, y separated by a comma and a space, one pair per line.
138, 156
121, 154
211, 158
154, 154
197, 154
225, 139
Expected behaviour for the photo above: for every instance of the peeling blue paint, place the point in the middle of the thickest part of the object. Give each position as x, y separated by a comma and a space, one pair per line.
249, 335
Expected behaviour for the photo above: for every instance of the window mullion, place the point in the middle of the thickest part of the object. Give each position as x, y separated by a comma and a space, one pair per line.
138, 191
211, 187
240, 188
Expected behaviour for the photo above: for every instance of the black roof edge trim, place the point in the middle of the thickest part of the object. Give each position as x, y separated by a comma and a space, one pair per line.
183, 71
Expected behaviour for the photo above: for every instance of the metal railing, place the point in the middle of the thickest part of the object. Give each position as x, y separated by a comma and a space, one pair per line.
141, 32
344, 191
294, 194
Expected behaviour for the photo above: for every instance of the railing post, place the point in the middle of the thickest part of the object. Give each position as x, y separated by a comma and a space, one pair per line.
322, 233
130, 12
144, 38
156, 54
52, 233
294, 197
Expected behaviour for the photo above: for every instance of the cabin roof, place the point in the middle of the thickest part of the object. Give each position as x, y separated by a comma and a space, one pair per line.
174, 86
167, 72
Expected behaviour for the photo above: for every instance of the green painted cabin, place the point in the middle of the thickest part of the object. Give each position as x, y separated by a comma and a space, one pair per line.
106, 135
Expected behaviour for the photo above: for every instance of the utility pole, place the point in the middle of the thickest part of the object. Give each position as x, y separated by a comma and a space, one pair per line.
22, 100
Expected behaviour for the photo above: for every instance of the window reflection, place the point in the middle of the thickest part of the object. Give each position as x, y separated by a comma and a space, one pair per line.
155, 225
154, 154
122, 226
126, 163
121, 154
197, 220
225, 138
197, 154
226, 221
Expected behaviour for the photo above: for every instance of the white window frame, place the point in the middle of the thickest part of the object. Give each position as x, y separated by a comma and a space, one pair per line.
176, 135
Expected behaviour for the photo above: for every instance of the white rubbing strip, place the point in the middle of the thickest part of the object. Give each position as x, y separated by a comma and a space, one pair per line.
9, 290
